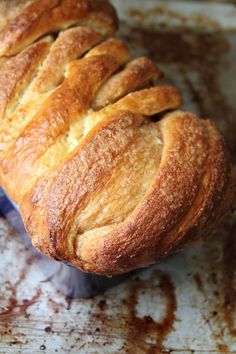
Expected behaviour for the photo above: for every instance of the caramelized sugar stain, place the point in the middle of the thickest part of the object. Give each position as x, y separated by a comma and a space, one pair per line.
15, 307
146, 326
56, 307
229, 285
222, 302
141, 334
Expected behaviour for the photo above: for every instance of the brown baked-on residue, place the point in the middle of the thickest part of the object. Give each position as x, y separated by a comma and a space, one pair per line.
110, 175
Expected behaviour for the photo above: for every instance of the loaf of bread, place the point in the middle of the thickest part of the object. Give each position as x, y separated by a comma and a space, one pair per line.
109, 174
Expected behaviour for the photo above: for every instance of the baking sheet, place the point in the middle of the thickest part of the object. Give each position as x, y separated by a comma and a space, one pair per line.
186, 303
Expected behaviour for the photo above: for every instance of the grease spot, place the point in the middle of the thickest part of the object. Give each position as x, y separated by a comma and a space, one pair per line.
198, 282
48, 329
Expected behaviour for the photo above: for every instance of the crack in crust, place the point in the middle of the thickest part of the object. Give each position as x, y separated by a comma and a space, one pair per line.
101, 182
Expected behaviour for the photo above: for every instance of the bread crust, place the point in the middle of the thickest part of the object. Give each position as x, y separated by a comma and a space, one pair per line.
47, 16
109, 174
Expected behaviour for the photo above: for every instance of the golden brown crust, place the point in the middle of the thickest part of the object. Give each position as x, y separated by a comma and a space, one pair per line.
108, 173
193, 177
11, 9
47, 16
139, 73
93, 160
69, 101
70, 45
17, 72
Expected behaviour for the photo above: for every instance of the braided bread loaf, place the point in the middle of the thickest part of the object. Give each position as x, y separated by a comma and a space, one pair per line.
102, 181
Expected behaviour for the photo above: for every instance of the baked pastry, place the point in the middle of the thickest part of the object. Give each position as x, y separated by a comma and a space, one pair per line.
108, 173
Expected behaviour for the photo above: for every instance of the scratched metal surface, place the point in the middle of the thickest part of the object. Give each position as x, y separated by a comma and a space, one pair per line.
186, 303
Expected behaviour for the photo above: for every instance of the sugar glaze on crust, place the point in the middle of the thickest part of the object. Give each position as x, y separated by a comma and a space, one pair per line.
110, 175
